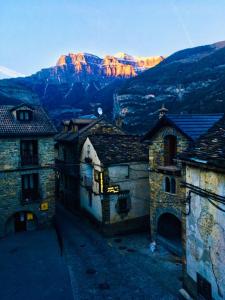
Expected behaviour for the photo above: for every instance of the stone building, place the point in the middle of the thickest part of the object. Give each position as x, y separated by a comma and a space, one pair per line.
114, 182
68, 147
204, 266
27, 180
170, 136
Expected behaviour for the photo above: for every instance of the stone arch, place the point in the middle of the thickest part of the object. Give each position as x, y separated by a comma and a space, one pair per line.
21, 220
168, 226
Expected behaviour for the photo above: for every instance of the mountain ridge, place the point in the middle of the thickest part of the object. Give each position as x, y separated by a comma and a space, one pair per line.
189, 81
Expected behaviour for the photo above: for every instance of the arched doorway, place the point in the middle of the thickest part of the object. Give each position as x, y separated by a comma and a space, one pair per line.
21, 221
169, 231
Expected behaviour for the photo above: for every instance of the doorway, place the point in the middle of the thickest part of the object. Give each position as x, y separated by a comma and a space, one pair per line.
20, 222
169, 232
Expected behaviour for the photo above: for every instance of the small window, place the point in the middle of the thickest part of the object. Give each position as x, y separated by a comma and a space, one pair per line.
64, 154
167, 185
123, 203
204, 288
30, 187
24, 115
173, 186
96, 175
90, 198
170, 185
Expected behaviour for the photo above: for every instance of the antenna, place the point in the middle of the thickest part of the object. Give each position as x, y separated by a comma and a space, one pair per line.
100, 111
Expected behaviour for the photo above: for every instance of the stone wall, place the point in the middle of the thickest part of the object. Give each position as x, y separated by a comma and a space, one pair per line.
11, 185
162, 202
205, 246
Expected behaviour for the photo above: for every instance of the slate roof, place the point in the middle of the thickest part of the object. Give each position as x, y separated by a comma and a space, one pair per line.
103, 125
70, 136
191, 125
209, 149
114, 149
38, 126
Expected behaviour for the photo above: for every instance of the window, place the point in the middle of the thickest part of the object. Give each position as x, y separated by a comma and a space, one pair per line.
170, 185
173, 186
204, 288
170, 149
24, 115
29, 152
123, 203
64, 154
90, 198
30, 187
96, 175
167, 185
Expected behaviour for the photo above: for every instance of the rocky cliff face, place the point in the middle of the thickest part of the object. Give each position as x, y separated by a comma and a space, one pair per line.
120, 65
79, 82
191, 81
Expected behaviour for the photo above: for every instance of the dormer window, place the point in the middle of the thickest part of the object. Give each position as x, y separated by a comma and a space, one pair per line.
24, 115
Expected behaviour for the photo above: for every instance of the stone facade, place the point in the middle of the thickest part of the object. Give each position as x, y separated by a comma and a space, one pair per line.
205, 234
11, 172
162, 200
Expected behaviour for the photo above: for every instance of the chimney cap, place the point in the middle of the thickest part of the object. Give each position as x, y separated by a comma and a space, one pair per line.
162, 111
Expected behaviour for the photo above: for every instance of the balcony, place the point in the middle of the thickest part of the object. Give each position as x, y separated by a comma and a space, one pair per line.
27, 160
29, 196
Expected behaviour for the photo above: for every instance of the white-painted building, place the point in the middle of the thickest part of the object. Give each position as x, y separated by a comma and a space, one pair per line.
114, 187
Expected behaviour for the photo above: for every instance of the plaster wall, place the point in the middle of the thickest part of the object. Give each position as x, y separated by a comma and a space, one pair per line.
205, 232
87, 170
133, 178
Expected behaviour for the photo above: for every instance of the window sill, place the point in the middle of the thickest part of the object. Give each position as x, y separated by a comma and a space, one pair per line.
173, 170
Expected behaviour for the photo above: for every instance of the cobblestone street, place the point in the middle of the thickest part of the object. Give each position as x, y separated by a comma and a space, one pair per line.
116, 268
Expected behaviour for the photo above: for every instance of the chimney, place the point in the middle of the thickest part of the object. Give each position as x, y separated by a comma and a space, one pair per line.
119, 122
162, 111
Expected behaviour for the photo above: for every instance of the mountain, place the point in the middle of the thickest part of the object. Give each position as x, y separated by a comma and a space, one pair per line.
78, 83
13, 93
188, 81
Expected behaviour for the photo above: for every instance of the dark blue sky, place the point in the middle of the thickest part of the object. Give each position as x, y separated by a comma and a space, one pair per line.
34, 33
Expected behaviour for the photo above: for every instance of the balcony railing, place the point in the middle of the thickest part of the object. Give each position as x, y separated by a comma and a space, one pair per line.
29, 160
29, 196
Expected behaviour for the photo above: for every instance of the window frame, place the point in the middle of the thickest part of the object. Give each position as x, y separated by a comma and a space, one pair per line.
170, 149
169, 185
24, 115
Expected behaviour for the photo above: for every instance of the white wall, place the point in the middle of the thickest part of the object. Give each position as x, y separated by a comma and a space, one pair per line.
88, 170
205, 240
132, 177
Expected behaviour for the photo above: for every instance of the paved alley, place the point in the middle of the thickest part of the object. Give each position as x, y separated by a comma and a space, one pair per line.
31, 267
115, 268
